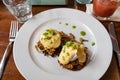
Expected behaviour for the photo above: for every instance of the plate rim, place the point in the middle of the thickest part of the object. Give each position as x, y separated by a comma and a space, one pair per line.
22, 28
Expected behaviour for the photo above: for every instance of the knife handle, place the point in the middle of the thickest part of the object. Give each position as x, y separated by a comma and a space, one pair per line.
118, 59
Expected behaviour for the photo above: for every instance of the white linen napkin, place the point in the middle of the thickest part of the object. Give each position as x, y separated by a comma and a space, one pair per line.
114, 17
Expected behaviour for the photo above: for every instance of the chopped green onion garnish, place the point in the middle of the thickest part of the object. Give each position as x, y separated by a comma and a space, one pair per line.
51, 31
69, 43
51, 42
63, 58
75, 46
47, 38
68, 54
45, 33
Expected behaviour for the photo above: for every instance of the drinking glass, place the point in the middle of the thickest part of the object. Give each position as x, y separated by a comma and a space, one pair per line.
21, 9
104, 8
84, 1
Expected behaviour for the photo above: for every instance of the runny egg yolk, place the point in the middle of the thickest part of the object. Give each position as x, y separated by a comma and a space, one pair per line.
50, 38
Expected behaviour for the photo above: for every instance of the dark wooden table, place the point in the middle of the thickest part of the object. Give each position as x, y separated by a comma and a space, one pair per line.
11, 72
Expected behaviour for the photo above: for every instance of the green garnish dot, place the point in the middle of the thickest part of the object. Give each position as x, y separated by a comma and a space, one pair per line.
83, 33
66, 24
64, 50
60, 22
68, 54
75, 47
73, 26
45, 33
63, 58
52, 32
93, 43
47, 38
69, 43
51, 42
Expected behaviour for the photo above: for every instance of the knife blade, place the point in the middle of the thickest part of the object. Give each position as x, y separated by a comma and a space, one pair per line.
114, 42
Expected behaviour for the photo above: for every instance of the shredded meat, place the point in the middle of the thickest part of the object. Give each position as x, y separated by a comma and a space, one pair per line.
66, 37
74, 65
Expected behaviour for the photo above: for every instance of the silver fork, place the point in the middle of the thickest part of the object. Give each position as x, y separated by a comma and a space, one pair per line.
12, 35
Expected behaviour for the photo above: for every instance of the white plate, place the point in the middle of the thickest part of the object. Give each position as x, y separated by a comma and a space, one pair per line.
35, 66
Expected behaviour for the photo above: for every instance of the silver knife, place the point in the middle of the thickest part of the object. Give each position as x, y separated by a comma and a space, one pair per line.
114, 42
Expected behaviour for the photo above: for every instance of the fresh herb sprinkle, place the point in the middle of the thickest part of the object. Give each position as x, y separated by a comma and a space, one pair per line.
73, 26
45, 33
68, 54
66, 24
51, 42
47, 38
83, 33
63, 58
93, 43
69, 43
60, 22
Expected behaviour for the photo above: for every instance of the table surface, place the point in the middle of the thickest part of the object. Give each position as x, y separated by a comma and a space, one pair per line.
12, 73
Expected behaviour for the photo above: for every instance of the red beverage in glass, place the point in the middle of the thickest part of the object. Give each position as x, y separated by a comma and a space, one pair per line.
104, 8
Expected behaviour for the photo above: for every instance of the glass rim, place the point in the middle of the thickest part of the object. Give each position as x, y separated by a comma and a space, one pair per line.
78, 1
10, 2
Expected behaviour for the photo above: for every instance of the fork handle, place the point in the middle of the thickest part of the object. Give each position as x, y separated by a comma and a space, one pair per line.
3, 61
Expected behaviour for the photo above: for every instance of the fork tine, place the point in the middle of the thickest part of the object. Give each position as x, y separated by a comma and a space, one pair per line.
12, 35
13, 29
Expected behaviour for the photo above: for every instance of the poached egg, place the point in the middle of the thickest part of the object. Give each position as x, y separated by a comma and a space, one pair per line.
70, 52
50, 38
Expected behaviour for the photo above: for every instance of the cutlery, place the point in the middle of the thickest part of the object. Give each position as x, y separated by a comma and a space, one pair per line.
114, 42
12, 35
